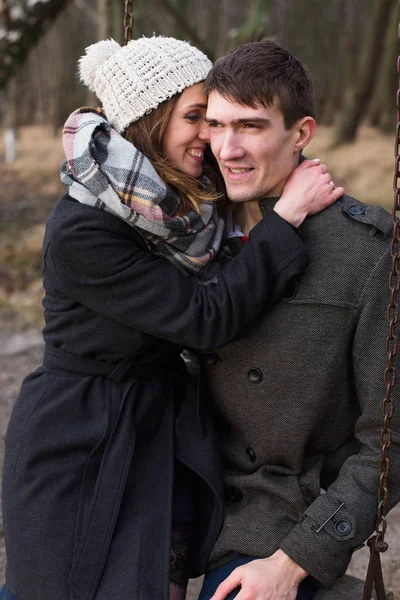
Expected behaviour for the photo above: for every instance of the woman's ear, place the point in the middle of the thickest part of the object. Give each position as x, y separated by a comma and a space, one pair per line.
305, 129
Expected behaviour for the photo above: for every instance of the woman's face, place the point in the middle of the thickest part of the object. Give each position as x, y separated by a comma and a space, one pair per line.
186, 136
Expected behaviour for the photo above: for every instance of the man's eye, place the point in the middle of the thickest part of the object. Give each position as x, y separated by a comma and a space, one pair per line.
250, 126
213, 124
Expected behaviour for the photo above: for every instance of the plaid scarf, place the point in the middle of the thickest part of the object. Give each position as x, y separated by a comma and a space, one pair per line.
104, 170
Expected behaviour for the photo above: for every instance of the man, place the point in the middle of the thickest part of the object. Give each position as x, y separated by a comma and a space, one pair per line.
299, 398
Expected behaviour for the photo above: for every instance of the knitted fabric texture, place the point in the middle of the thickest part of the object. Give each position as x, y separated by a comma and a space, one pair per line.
133, 80
104, 170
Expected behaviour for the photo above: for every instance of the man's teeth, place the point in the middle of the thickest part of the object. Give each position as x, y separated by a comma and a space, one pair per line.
238, 171
198, 153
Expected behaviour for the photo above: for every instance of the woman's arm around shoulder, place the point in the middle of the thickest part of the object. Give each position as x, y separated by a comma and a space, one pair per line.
94, 259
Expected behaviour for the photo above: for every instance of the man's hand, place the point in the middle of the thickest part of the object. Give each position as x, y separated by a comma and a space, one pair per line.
308, 190
273, 578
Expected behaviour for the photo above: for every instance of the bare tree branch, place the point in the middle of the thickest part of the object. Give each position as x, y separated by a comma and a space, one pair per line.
190, 32
22, 33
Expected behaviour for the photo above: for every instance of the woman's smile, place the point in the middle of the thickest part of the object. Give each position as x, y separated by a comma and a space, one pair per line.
186, 136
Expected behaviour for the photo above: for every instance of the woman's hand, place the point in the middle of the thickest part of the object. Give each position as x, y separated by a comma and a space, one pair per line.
274, 578
308, 190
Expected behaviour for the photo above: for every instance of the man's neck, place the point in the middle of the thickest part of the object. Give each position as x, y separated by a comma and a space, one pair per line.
247, 215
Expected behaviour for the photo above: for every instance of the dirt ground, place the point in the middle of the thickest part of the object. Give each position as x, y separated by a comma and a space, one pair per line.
15, 364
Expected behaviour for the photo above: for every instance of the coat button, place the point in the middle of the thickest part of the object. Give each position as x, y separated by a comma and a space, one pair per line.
211, 358
254, 375
291, 290
234, 494
251, 454
343, 527
356, 209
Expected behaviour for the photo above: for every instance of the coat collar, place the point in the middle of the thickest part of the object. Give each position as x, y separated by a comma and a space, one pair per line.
267, 204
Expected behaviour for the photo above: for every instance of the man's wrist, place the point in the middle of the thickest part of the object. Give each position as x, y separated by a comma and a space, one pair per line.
296, 571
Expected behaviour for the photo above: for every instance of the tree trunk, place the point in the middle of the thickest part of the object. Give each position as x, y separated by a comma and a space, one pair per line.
370, 62
110, 14
341, 72
178, 31
223, 28
10, 130
103, 23
257, 23
187, 28
387, 118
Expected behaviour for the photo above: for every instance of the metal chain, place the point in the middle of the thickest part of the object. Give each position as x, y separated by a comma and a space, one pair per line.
128, 21
391, 344
377, 543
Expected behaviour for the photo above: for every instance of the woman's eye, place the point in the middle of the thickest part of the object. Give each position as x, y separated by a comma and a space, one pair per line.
193, 118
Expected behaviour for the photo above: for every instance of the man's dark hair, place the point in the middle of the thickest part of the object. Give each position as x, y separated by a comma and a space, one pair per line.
257, 73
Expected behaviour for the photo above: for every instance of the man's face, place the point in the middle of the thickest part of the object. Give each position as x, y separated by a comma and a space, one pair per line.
255, 153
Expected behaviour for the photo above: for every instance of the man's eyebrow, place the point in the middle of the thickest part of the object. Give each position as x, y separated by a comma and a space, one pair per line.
241, 121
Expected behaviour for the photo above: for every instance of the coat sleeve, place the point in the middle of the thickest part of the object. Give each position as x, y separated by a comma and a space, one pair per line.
94, 259
339, 522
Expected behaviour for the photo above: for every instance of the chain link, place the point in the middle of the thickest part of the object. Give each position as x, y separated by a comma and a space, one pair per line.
391, 345
128, 21
377, 542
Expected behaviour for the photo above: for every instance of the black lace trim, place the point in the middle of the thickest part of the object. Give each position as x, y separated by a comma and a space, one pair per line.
181, 556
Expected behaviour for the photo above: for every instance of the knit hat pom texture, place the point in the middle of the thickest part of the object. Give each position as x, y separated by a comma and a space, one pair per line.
133, 80
96, 55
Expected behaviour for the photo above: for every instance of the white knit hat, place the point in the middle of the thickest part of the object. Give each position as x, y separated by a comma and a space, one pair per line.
132, 80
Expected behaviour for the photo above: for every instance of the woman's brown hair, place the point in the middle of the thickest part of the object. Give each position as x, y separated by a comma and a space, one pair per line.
147, 135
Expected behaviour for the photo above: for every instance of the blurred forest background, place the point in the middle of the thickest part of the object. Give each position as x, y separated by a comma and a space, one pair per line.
350, 46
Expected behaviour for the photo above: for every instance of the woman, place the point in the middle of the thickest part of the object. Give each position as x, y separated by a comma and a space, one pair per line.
111, 480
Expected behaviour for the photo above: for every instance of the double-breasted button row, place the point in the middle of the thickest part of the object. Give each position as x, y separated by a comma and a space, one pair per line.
254, 375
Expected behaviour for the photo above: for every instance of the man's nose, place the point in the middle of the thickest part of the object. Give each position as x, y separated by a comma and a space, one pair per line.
204, 131
230, 148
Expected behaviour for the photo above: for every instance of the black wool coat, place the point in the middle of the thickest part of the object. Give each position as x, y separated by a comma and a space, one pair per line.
97, 429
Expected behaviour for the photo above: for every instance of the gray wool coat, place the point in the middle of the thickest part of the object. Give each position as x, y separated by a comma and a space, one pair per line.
96, 431
298, 402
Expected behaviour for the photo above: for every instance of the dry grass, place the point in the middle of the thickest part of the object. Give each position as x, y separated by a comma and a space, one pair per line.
39, 157
28, 190
31, 184
364, 168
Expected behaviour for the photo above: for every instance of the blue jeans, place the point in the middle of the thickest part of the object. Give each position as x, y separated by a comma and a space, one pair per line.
307, 589
5, 594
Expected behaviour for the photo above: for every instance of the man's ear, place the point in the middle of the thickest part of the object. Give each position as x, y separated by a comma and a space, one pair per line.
305, 129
